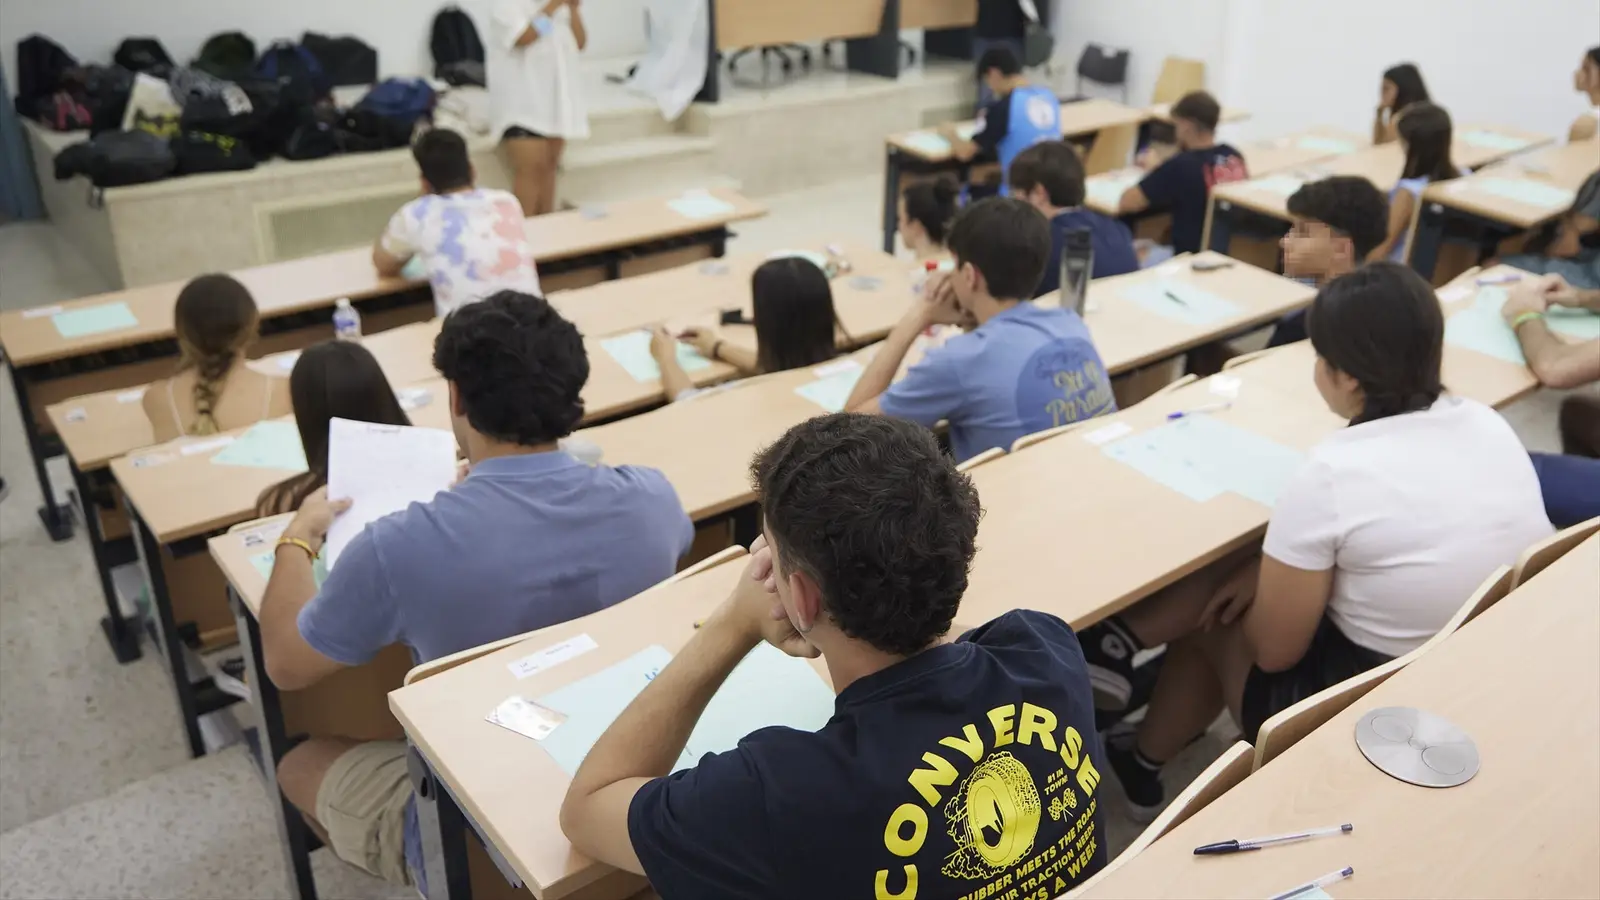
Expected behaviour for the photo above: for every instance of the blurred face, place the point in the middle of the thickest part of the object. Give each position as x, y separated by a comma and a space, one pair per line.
1312, 250
1587, 76
1387, 94
911, 231
1038, 198
1341, 392
995, 81
1188, 133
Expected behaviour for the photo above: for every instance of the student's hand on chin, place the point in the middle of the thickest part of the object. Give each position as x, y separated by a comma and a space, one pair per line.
315, 517
759, 615
939, 305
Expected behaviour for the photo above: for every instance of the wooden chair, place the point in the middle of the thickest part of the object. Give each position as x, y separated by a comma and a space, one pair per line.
1283, 730
446, 663
1218, 778
1243, 358
1172, 386
980, 459
1178, 76
1534, 559
1028, 440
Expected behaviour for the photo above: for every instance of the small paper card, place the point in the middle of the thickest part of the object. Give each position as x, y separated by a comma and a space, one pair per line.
526, 717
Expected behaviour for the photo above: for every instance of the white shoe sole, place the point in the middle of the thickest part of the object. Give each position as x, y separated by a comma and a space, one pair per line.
1111, 691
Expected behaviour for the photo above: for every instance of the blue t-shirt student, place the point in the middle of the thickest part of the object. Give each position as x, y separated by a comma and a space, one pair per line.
523, 542
960, 772
1111, 239
1026, 369
1029, 114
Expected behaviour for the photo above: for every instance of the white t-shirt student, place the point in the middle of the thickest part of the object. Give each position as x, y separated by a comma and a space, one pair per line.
1412, 512
472, 245
536, 88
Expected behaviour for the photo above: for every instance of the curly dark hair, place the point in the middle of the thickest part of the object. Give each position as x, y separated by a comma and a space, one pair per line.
879, 517
1348, 204
518, 366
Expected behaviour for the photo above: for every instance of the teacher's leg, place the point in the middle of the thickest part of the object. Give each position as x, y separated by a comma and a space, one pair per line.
554, 148
526, 153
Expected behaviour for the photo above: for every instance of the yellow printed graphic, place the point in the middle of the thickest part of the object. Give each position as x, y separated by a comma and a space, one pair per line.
993, 818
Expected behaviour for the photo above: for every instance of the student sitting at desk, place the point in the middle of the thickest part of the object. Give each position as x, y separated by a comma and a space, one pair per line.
932, 777
1335, 224
792, 306
1402, 88
529, 538
1049, 177
1182, 184
926, 210
1387, 528
1425, 135
1571, 247
1571, 481
1021, 115
1020, 368
471, 240
213, 390
1586, 80
333, 379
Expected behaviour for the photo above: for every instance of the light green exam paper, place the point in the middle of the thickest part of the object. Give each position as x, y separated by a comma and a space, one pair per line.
699, 204
1578, 324
1201, 456
1321, 144
832, 391
1192, 305
94, 320
767, 688
632, 352
267, 445
1107, 190
1492, 140
1480, 328
1521, 190
927, 143
263, 566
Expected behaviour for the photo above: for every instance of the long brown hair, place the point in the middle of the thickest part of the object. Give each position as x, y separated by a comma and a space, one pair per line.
215, 319
794, 314
332, 380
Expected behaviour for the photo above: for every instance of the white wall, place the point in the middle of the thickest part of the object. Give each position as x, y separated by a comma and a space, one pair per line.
1151, 29
91, 29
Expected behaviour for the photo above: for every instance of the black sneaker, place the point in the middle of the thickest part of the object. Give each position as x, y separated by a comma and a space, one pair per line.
1140, 781
1144, 684
2, 489
1109, 653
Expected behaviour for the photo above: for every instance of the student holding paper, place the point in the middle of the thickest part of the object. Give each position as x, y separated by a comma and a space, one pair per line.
795, 324
1049, 177
947, 765
213, 390
1020, 368
333, 379
1385, 531
1335, 225
529, 538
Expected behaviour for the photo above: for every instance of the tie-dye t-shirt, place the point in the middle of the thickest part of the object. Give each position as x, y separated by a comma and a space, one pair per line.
471, 243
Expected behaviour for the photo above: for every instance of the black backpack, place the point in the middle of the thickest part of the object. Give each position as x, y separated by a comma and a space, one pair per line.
144, 55
42, 66
457, 50
229, 56
346, 60
301, 77
117, 159
200, 151
106, 90
312, 140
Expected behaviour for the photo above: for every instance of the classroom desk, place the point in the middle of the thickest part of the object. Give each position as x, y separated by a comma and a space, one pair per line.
1260, 205
1162, 112
1465, 201
1524, 826
1109, 127
500, 784
572, 248
936, 15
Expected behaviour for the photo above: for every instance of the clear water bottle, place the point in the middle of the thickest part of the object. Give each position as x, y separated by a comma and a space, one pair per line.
346, 321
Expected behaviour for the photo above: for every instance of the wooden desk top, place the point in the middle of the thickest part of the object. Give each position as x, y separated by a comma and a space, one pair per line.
938, 14
30, 337
511, 788
755, 23
1524, 826
1566, 167
234, 550
1078, 119
1162, 112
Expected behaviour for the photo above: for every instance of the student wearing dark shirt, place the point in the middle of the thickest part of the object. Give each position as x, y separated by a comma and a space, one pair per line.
950, 768
1182, 184
1049, 177
1336, 223
1021, 115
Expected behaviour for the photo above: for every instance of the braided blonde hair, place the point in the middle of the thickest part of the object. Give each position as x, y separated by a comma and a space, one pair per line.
215, 319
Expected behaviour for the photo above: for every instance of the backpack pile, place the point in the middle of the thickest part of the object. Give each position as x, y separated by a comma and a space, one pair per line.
46, 85
349, 61
230, 56
117, 159
388, 115
144, 54
457, 51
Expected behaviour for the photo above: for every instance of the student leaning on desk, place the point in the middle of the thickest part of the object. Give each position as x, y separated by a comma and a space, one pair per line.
213, 390
531, 537
948, 767
1182, 183
1379, 538
1020, 368
1021, 115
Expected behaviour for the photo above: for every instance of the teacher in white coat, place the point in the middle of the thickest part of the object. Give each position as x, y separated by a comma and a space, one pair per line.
535, 94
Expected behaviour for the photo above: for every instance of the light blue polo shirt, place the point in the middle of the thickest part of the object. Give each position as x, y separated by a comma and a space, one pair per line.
1027, 369
524, 542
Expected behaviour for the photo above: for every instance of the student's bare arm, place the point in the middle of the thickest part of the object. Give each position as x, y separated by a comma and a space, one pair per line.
291, 663
1288, 608
1399, 223
1555, 362
579, 33
1133, 200
387, 264
880, 372
664, 349
1583, 128
529, 35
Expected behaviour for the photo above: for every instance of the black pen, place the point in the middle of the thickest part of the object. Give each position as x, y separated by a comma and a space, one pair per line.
1175, 298
1238, 846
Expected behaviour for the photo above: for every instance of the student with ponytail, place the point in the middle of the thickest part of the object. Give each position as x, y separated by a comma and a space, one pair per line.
1384, 532
926, 210
213, 390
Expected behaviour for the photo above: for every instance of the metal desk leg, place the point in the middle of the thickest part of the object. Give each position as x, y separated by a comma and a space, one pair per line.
891, 197
1426, 242
294, 835
167, 629
1222, 227
120, 633
57, 519
444, 833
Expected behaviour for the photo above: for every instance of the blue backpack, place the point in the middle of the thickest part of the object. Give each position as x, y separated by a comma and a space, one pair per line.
297, 71
402, 99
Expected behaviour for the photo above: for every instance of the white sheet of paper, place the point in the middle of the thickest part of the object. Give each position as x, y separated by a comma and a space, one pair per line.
383, 469
554, 655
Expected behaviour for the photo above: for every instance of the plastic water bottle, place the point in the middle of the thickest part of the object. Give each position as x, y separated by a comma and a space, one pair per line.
346, 321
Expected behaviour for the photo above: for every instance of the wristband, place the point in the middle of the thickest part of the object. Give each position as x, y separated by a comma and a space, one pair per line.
295, 542
542, 24
1524, 319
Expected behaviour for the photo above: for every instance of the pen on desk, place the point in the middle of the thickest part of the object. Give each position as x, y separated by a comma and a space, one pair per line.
1241, 844
1322, 882
1503, 278
1175, 298
1212, 407
699, 622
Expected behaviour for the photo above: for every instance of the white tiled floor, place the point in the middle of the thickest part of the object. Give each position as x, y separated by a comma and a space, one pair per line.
97, 795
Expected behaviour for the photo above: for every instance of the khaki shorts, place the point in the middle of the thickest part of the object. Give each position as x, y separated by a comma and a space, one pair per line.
362, 804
